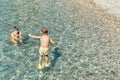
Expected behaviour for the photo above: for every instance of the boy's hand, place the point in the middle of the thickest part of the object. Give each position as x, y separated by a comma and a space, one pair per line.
55, 42
58, 42
29, 35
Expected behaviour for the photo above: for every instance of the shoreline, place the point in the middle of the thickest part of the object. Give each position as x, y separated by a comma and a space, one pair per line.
93, 8
110, 6
106, 26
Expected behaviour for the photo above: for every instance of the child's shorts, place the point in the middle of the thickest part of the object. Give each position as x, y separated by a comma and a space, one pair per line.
43, 51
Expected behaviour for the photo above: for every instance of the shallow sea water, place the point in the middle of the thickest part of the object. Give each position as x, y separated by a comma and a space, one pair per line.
81, 54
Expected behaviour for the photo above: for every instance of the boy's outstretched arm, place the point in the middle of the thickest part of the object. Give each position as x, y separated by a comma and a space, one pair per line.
53, 42
32, 36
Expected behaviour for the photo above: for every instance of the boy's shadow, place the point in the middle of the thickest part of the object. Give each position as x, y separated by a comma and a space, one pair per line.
56, 54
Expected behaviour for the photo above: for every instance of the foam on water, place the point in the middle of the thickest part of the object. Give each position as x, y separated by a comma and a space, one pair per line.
80, 56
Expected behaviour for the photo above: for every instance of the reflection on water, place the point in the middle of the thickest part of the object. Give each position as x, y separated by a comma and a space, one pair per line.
81, 54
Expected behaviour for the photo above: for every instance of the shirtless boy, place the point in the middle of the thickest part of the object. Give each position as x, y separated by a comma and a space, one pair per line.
16, 36
44, 47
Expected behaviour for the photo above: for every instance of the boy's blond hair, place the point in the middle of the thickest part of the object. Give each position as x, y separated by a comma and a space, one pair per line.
44, 30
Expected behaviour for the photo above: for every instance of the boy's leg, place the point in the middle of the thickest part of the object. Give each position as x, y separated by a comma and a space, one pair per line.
47, 60
40, 62
40, 59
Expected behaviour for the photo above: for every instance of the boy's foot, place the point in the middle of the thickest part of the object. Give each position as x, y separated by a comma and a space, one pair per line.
39, 66
47, 64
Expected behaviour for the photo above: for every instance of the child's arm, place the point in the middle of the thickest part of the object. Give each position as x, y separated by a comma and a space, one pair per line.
32, 36
53, 42
13, 36
20, 35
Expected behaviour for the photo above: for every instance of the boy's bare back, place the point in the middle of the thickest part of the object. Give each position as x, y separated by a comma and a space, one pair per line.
44, 39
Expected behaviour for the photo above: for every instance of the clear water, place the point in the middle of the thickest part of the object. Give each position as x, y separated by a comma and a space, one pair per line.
82, 55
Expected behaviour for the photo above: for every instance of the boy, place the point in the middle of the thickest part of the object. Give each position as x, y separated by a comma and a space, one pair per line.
44, 47
16, 36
